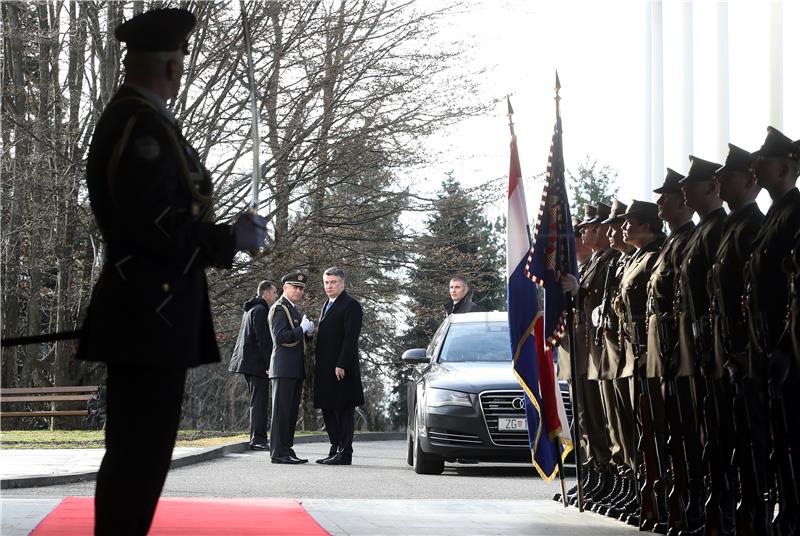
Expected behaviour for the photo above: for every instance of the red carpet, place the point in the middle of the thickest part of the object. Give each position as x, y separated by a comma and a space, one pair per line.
197, 517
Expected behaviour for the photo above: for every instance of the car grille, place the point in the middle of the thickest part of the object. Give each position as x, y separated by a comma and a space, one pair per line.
447, 437
496, 404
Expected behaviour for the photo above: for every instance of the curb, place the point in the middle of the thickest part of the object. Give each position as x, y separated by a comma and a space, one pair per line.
203, 455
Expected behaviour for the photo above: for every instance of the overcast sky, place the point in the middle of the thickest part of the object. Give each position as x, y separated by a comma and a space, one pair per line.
598, 48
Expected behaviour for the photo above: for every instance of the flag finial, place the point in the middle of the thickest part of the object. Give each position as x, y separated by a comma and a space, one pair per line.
558, 97
510, 113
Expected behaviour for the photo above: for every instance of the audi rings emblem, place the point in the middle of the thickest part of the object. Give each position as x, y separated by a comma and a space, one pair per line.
518, 403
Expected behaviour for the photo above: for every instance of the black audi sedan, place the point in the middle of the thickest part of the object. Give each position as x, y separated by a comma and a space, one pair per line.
465, 404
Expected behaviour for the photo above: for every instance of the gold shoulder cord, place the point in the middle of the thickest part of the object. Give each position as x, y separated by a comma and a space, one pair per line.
119, 147
291, 323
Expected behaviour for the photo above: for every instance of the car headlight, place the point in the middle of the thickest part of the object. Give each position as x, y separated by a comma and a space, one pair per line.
445, 397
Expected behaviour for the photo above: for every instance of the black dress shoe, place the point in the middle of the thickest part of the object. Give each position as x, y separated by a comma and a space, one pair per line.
287, 460
297, 460
340, 459
326, 458
259, 446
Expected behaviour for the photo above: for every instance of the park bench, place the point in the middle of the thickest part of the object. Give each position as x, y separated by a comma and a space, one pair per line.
34, 397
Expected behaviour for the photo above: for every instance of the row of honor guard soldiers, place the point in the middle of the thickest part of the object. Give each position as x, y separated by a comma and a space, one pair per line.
687, 349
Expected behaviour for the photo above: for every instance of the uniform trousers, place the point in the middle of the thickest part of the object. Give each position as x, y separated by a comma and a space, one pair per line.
286, 393
258, 386
624, 392
590, 415
143, 408
340, 425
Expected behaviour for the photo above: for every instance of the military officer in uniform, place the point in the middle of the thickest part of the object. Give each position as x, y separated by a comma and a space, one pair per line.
644, 231
662, 335
607, 335
738, 188
701, 192
287, 366
596, 449
766, 303
149, 318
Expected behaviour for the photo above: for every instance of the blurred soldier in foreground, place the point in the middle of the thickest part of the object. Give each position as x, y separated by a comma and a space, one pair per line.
287, 366
731, 372
149, 318
251, 356
766, 302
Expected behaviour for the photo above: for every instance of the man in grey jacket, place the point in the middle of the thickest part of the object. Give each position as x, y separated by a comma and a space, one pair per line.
251, 357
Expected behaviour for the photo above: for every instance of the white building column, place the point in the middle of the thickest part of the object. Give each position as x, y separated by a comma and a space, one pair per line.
776, 64
723, 80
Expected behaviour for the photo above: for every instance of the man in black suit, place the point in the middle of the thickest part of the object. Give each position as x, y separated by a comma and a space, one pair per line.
288, 367
251, 357
337, 374
149, 317
461, 297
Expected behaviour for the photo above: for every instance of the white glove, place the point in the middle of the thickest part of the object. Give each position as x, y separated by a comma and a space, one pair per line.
307, 325
569, 283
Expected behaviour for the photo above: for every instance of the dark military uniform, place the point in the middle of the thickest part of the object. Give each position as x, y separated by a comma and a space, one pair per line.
740, 434
766, 304
149, 317
287, 372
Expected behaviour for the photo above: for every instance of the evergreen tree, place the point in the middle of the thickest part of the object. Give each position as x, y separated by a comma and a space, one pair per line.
592, 184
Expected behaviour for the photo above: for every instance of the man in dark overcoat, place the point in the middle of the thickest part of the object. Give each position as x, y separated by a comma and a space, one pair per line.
287, 366
250, 357
149, 318
461, 297
337, 374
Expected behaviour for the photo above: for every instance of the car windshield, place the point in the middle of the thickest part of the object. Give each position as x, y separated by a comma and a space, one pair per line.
476, 341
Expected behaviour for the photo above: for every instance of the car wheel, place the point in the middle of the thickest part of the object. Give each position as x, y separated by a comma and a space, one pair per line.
424, 463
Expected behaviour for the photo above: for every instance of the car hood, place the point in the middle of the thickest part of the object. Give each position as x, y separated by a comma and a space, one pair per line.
472, 377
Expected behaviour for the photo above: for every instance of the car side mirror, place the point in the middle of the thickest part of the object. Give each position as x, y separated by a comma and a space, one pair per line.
415, 356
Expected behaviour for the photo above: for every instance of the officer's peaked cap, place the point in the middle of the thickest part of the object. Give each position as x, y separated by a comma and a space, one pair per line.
737, 160
295, 278
700, 170
778, 145
672, 183
158, 30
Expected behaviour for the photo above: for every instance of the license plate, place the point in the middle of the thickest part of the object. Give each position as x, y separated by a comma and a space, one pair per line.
504, 424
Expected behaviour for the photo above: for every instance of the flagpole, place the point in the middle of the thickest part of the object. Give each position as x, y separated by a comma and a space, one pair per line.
570, 300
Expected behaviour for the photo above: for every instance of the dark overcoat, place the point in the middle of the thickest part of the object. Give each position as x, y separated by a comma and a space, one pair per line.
288, 341
151, 197
337, 346
253, 348
466, 305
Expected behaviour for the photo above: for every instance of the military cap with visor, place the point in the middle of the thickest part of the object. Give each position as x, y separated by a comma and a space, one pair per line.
777, 145
158, 30
295, 278
618, 208
737, 160
642, 210
603, 211
672, 183
700, 170
589, 213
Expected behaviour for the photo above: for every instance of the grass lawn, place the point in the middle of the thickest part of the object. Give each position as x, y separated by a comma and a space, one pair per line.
86, 439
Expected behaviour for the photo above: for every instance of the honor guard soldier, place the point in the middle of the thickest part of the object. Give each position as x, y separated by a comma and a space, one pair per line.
701, 192
597, 452
737, 187
590, 296
149, 317
607, 337
643, 230
766, 304
287, 366
662, 345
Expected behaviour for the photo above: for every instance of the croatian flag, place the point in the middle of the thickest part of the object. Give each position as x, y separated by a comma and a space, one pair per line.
548, 434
